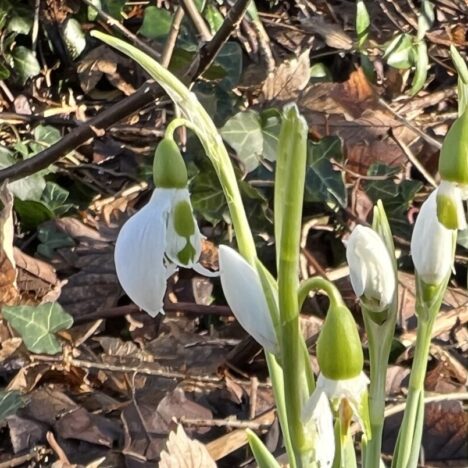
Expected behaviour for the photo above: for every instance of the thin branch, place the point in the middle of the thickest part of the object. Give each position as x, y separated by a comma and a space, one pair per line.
197, 19
172, 37
116, 25
127, 106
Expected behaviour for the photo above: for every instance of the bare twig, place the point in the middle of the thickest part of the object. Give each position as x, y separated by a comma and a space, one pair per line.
116, 25
36, 454
232, 423
172, 37
197, 19
129, 105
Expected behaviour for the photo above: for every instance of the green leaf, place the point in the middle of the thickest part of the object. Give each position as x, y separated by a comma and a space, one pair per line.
37, 325
20, 24
460, 64
400, 52
44, 136
262, 455
25, 63
92, 13
28, 188
32, 212
55, 197
4, 72
213, 17
323, 182
381, 189
230, 59
320, 72
425, 19
113, 7
244, 134
271, 126
74, 37
362, 24
208, 197
156, 23
10, 402
462, 238
51, 239
422, 64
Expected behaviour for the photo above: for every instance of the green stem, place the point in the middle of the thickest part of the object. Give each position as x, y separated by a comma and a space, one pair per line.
407, 444
380, 340
294, 130
316, 284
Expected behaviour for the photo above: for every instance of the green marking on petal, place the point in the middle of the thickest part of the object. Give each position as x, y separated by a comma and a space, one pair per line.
182, 216
187, 254
447, 212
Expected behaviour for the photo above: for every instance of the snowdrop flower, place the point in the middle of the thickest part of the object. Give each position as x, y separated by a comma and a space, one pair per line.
432, 244
244, 294
453, 168
317, 417
161, 236
341, 360
371, 268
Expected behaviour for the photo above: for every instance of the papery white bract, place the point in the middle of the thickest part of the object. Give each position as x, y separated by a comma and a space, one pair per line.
370, 267
431, 244
244, 294
148, 247
318, 421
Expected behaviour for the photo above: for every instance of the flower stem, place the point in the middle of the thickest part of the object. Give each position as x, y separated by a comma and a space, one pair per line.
407, 444
293, 149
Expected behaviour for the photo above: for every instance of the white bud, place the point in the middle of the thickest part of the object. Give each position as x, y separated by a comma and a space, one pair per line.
431, 244
244, 294
370, 268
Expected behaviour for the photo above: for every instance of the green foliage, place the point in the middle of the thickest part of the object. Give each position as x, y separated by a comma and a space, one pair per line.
25, 63
74, 37
156, 23
253, 136
323, 182
362, 24
37, 325
10, 402
52, 239
396, 197
400, 52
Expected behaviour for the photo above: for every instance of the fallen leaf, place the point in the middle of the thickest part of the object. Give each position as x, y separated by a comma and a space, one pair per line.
182, 452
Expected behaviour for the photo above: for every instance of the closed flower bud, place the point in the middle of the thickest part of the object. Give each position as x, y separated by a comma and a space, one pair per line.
169, 169
371, 268
339, 350
450, 211
432, 244
244, 294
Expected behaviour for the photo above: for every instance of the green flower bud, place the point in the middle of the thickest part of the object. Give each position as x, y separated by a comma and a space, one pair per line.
453, 161
169, 169
339, 350
184, 224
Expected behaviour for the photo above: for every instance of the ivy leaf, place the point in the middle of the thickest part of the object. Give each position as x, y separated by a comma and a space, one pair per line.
243, 133
44, 136
25, 63
323, 182
400, 52
74, 37
156, 23
55, 198
37, 325
271, 125
9, 403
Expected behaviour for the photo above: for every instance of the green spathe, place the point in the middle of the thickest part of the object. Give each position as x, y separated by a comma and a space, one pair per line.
339, 350
453, 161
169, 169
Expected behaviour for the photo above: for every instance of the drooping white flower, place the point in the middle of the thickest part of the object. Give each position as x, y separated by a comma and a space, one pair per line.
353, 391
318, 421
370, 267
431, 244
161, 236
244, 294
450, 211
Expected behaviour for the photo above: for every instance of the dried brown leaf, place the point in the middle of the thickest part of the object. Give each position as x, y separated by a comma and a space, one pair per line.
182, 452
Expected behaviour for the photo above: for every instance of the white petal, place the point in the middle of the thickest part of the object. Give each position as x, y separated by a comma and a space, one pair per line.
175, 243
370, 266
318, 420
139, 253
431, 244
244, 294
